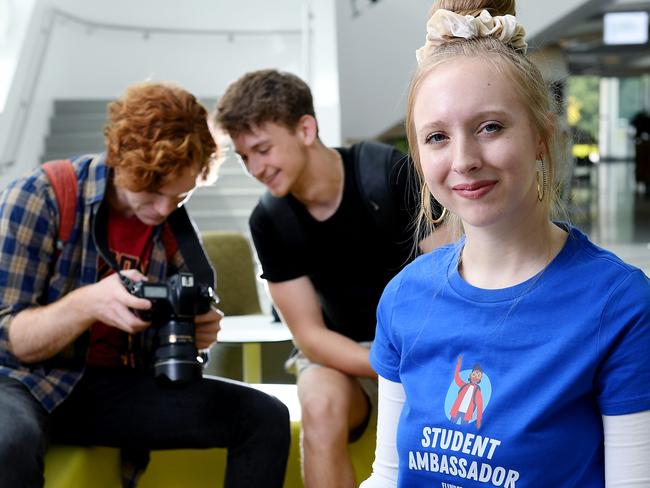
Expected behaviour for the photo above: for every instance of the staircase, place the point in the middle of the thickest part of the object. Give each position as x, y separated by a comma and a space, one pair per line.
76, 128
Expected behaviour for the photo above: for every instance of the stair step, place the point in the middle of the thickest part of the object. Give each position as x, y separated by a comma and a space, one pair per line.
80, 106
219, 214
210, 221
51, 155
71, 123
81, 140
90, 106
236, 180
66, 150
230, 202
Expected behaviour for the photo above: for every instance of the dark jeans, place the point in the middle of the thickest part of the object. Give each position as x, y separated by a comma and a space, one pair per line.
126, 408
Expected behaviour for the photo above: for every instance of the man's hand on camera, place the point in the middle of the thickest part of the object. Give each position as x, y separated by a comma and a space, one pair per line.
207, 328
111, 303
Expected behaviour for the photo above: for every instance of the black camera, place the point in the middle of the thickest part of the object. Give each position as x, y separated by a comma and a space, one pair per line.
169, 344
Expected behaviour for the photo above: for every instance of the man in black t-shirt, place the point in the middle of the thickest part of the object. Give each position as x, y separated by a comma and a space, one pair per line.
326, 278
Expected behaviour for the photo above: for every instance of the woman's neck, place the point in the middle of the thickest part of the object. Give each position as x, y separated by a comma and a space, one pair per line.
494, 260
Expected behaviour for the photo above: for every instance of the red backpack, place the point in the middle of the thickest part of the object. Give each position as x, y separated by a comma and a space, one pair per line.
63, 179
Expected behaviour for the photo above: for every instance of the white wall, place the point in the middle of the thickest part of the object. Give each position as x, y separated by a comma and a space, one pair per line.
376, 55
376, 52
13, 75
323, 68
14, 23
536, 16
91, 61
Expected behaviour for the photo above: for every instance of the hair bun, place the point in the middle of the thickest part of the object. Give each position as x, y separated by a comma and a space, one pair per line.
445, 26
475, 7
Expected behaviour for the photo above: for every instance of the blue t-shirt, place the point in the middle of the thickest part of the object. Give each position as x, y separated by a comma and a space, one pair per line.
506, 388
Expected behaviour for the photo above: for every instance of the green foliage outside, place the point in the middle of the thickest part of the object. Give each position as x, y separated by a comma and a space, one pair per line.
401, 144
582, 109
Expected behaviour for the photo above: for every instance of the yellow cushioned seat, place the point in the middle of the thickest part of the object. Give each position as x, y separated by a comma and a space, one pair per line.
98, 467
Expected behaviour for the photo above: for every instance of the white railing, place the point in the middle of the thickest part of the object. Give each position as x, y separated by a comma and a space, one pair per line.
357, 7
17, 127
147, 30
54, 16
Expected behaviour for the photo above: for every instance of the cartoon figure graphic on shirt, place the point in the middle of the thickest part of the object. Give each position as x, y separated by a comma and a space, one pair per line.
469, 398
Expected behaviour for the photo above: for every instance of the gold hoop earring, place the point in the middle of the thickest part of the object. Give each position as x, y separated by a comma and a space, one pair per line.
541, 186
441, 218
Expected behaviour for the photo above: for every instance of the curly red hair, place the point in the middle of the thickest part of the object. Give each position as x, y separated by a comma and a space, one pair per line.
155, 131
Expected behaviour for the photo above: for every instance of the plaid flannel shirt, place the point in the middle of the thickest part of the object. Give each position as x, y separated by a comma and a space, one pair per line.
31, 275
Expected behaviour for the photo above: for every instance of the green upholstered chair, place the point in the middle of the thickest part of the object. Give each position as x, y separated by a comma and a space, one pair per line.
232, 258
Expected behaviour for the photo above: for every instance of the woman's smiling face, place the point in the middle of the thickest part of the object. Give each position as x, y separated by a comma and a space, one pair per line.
477, 145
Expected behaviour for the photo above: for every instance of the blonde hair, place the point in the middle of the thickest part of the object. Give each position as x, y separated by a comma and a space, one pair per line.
527, 82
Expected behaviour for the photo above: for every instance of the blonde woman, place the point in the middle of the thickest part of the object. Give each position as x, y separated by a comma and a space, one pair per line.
559, 327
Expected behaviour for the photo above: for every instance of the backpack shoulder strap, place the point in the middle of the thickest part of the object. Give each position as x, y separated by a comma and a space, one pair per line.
373, 163
284, 219
63, 179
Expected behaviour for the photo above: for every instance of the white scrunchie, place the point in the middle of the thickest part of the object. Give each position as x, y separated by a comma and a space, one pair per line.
445, 25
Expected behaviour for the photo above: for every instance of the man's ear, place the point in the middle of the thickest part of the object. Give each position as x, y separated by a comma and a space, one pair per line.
307, 129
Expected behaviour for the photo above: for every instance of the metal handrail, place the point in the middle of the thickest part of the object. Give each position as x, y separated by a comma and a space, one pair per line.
91, 24
36, 67
53, 14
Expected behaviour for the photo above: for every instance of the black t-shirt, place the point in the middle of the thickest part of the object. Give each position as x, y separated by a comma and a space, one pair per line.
347, 257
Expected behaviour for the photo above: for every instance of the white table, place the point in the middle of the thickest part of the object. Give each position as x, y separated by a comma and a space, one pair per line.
287, 394
251, 331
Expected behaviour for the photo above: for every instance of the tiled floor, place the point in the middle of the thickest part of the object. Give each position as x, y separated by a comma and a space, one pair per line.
609, 205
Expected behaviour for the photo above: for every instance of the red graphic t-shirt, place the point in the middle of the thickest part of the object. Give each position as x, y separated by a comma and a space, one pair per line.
131, 242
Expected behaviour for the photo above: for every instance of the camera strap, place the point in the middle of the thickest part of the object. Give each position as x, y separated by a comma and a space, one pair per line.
100, 235
184, 232
187, 238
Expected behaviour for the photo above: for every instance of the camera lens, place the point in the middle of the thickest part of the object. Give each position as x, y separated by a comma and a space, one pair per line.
175, 357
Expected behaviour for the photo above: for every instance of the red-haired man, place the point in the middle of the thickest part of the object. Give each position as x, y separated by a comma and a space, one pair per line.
72, 365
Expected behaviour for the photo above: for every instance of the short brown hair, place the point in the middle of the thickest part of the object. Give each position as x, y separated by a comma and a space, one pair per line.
264, 96
155, 131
